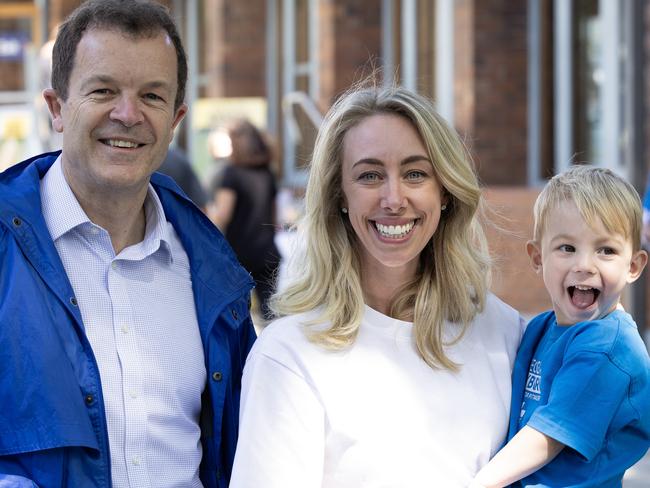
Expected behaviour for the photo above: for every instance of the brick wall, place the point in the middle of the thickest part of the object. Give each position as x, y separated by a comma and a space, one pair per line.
351, 33
491, 86
510, 210
233, 48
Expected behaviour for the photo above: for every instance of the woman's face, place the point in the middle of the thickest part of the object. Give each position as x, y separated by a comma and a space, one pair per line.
391, 192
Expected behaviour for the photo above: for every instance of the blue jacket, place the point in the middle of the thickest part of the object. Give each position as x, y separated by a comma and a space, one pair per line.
52, 421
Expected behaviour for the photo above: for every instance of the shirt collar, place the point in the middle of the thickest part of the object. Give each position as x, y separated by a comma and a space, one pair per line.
60, 207
63, 213
156, 234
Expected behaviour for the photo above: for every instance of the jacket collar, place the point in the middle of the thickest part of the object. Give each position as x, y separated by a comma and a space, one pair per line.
217, 278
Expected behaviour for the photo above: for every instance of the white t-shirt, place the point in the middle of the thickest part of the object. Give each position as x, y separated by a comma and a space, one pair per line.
375, 414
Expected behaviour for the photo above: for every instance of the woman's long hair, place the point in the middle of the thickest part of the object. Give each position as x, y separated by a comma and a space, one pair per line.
452, 280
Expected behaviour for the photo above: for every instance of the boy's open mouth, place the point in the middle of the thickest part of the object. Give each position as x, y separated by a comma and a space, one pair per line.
583, 296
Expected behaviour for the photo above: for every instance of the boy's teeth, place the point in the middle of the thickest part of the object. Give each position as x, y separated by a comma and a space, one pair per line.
394, 230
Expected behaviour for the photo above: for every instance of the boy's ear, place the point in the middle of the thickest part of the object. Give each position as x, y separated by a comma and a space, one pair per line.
638, 262
54, 105
535, 255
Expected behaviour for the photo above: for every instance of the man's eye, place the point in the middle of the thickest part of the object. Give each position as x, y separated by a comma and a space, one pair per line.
153, 96
101, 91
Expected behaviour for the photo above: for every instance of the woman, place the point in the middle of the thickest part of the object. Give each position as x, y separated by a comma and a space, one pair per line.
244, 207
391, 363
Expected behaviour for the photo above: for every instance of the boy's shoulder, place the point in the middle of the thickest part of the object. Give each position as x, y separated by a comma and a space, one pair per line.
615, 335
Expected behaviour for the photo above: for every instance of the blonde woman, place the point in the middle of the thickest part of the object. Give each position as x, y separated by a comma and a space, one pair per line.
390, 365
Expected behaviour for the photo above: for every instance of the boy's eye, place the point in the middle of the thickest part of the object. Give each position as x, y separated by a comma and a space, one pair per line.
608, 251
567, 248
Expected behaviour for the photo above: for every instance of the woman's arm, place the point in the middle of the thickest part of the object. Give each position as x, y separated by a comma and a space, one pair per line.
222, 207
526, 452
282, 428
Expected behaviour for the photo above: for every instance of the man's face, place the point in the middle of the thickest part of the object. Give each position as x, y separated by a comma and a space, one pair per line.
119, 117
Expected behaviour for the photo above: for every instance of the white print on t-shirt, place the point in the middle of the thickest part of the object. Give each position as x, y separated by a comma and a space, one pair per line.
533, 383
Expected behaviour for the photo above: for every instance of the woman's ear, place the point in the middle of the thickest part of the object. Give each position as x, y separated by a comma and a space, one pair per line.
535, 255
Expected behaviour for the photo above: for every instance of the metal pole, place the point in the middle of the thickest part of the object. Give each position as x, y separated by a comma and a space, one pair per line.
563, 85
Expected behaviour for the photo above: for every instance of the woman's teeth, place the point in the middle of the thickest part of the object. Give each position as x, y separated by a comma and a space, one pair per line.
394, 231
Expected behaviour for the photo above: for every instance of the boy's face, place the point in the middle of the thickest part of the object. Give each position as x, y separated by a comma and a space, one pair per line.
584, 268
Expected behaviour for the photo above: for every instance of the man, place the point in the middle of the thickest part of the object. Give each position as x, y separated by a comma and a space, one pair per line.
124, 320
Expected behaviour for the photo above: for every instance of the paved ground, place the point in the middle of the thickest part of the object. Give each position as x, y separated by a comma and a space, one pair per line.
638, 476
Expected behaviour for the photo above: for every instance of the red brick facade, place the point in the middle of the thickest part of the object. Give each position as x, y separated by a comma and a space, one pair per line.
490, 91
491, 86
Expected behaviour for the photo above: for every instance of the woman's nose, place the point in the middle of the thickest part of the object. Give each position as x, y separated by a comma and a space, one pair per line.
393, 197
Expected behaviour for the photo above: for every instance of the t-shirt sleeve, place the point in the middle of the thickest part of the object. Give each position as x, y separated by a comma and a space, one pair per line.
228, 179
585, 395
282, 432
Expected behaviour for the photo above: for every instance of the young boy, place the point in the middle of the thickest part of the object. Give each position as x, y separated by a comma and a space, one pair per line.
580, 411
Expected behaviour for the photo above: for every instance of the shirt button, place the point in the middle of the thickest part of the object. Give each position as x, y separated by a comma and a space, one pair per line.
136, 460
73, 301
125, 329
217, 376
133, 394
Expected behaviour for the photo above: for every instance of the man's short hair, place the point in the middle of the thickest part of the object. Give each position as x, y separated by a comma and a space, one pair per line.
138, 18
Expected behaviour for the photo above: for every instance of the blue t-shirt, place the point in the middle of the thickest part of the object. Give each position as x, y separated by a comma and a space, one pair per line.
587, 386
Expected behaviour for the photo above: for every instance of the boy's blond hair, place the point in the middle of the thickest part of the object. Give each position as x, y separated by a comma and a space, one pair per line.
600, 195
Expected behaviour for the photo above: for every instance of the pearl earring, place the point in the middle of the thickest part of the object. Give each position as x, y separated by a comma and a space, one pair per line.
443, 207
344, 210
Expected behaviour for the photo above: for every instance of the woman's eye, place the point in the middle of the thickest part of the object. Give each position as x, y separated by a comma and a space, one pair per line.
415, 175
369, 177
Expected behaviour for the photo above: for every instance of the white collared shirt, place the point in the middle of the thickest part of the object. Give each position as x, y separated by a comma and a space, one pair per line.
139, 316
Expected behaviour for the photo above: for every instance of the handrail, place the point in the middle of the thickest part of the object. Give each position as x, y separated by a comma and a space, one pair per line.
309, 107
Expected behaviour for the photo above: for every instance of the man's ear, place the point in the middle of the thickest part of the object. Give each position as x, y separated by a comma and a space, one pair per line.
535, 255
638, 262
179, 115
54, 106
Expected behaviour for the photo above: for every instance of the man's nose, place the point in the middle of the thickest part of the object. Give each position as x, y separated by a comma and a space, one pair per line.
127, 111
393, 197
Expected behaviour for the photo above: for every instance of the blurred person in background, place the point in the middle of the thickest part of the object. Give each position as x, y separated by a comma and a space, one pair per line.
243, 207
177, 166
